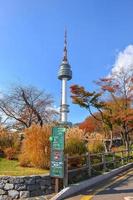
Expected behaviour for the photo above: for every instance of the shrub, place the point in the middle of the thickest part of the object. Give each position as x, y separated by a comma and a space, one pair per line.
24, 159
36, 147
75, 145
4, 139
131, 147
10, 153
95, 146
120, 148
1, 152
9, 140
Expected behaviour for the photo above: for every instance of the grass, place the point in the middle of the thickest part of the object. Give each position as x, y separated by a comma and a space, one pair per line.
12, 168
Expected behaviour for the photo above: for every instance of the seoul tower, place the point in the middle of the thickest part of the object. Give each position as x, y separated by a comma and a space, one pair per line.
64, 74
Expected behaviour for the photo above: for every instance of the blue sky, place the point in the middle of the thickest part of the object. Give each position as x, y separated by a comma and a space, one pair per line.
32, 36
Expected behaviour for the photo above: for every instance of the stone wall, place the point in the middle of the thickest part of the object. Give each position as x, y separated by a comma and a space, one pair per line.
25, 186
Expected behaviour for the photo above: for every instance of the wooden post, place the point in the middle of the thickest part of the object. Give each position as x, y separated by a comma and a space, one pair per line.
122, 158
56, 185
104, 162
89, 163
114, 159
127, 155
131, 153
65, 181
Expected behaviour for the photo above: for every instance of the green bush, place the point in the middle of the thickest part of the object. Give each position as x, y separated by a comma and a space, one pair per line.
131, 147
8, 141
75, 143
75, 147
95, 146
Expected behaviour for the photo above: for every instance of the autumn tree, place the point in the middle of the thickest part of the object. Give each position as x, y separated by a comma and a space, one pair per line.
116, 108
119, 88
89, 100
24, 106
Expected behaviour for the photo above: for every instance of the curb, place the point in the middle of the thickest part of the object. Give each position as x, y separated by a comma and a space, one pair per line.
66, 192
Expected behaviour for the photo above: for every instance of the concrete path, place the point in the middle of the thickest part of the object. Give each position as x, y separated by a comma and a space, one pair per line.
118, 188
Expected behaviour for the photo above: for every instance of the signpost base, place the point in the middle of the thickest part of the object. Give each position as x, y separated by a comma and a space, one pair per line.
56, 185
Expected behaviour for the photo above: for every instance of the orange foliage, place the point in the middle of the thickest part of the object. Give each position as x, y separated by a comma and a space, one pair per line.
108, 88
36, 147
10, 153
89, 125
75, 133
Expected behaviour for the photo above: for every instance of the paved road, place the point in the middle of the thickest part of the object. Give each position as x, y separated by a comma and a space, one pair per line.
118, 188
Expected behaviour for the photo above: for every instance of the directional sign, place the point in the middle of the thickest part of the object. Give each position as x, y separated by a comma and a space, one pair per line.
58, 138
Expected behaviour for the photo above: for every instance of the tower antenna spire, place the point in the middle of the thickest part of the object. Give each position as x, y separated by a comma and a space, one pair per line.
65, 47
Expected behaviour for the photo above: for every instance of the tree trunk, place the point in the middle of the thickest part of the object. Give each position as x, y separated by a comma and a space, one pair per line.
105, 146
111, 140
127, 144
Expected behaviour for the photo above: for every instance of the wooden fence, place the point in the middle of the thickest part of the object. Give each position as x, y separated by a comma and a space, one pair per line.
88, 162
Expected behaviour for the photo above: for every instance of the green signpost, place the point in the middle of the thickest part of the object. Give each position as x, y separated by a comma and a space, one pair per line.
57, 164
57, 152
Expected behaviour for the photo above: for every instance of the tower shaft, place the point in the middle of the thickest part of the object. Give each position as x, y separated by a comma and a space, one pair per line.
64, 91
64, 107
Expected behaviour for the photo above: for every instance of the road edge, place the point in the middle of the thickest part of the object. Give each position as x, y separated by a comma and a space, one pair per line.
66, 192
